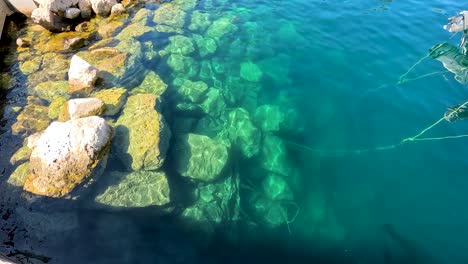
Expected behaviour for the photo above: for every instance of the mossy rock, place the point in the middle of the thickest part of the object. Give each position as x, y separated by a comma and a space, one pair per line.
31, 66
178, 45
269, 117
107, 30
51, 90
18, 177
133, 31
135, 189
183, 66
113, 99
33, 118
22, 154
54, 42
221, 27
141, 134
200, 21
206, 46
152, 84
274, 156
55, 107
169, 14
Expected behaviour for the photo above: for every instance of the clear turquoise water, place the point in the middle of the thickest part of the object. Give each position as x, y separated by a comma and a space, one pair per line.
345, 58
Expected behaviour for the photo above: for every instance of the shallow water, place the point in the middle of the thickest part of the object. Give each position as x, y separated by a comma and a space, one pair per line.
337, 64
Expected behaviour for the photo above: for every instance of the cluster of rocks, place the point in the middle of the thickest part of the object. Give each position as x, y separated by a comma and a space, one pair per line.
117, 112
62, 15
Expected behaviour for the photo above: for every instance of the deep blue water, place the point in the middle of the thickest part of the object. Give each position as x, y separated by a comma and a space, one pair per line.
344, 61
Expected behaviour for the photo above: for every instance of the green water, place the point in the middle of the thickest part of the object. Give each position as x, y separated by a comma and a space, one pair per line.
306, 96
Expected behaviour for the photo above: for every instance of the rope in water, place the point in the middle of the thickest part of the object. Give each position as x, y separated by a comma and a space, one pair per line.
417, 137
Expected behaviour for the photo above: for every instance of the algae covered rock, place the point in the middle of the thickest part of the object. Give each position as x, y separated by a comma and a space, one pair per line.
206, 46
66, 154
182, 65
133, 31
152, 84
22, 154
178, 45
250, 71
216, 203
193, 91
113, 99
33, 118
52, 90
243, 133
169, 14
30, 66
214, 104
269, 117
18, 177
55, 107
200, 158
272, 213
141, 134
136, 189
220, 27
200, 21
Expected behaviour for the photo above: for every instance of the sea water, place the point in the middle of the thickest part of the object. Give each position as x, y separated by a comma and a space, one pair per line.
333, 68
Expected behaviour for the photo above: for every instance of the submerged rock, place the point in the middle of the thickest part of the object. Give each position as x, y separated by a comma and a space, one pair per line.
178, 45
276, 188
182, 65
81, 75
52, 90
31, 66
66, 154
216, 203
113, 99
170, 15
220, 27
200, 158
18, 177
250, 72
274, 156
269, 117
33, 118
200, 21
193, 91
243, 133
55, 107
214, 104
152, 84
136, 189
141, 134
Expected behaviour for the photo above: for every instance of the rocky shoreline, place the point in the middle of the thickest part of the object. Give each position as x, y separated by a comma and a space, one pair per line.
95, 96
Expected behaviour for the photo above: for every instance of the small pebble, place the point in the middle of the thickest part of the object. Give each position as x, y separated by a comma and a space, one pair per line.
22, 43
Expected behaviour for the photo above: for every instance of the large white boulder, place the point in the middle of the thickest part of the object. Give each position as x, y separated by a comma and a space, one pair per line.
81, 74
102, 7
85, 8
67, 154
49, 20
58, 6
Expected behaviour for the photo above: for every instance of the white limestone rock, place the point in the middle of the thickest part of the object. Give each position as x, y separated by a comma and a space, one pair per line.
72, 13
66, 154
84, 107
102, 7
81, 74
